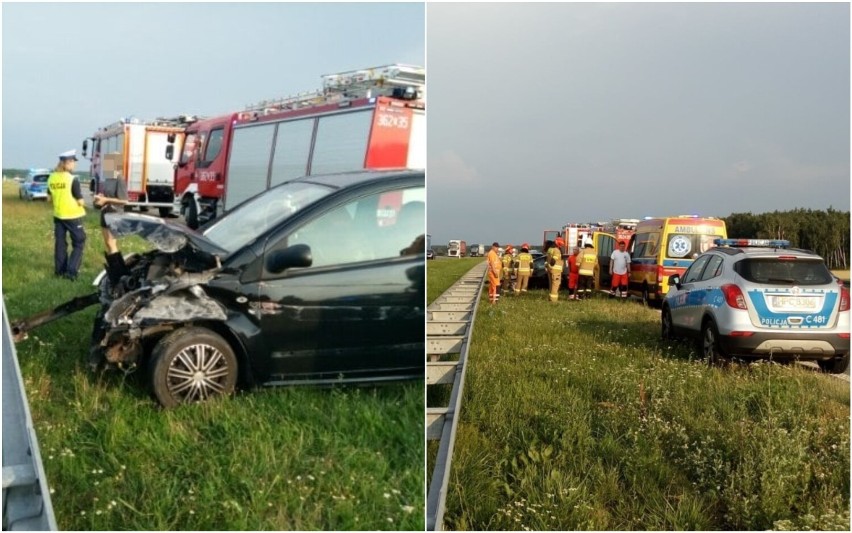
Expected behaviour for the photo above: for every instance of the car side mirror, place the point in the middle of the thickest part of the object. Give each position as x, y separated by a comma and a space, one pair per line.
298, 255
85, 146
674, 279
170, 151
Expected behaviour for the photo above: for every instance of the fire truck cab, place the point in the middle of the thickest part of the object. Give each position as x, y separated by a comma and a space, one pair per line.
363, 119
132, 150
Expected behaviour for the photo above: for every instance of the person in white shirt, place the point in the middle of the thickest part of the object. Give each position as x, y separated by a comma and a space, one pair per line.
619, 269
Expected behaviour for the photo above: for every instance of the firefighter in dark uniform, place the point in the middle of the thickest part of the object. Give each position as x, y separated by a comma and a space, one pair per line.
508, 269
68, 214
553, 265
523, 267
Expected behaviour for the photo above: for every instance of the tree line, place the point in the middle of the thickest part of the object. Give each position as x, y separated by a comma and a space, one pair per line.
824, 232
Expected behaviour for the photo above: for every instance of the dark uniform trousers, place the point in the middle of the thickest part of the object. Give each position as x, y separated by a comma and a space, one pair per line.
62, 264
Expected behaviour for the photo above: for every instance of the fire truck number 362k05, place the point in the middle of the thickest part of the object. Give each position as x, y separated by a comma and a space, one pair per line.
387, 120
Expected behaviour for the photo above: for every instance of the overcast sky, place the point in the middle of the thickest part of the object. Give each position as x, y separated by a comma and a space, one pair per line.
69, 69
544, 114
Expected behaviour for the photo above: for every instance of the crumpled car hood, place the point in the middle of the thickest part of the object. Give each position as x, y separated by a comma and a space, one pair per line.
166, 235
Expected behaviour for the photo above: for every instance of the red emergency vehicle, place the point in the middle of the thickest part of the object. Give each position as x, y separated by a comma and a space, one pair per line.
372, 118
132, 150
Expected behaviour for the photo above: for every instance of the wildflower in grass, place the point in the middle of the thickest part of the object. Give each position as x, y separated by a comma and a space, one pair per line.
389, 519
408, 508
386, 495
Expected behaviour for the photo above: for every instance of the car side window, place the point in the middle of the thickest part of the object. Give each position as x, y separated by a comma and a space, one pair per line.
694, 273
384, 225
713, 269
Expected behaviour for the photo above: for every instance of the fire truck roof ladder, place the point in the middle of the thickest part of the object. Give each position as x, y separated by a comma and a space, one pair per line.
362, 83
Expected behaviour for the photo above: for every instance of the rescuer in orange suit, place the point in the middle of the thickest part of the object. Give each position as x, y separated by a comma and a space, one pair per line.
495, 266
523, 266
553, 264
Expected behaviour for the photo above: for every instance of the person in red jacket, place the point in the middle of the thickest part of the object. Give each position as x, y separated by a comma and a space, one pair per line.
573, 273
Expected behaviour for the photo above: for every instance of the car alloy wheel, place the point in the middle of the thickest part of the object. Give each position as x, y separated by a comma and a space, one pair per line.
710, 344
192, 365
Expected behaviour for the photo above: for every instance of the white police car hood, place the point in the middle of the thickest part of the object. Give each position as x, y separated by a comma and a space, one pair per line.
166, 235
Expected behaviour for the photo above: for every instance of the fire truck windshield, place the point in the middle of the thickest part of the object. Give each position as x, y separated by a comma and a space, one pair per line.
254, 217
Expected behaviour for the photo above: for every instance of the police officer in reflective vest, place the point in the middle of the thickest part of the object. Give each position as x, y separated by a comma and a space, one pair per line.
523, 267
553, 264
508, 268
68, 214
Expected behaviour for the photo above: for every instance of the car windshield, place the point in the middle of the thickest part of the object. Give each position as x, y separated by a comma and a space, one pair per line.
40, 178
774, 271
255, 216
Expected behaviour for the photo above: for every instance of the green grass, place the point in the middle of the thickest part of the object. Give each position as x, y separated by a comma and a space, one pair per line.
577, 417
266, 459
441, 273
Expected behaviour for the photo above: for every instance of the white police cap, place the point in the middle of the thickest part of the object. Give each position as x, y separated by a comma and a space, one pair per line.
70, 154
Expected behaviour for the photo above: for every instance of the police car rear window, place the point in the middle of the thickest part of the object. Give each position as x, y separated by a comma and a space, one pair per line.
774, 271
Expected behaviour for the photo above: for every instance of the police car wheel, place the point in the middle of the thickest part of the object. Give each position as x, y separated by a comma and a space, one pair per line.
666, 325
192, 364
710, 348
838, 365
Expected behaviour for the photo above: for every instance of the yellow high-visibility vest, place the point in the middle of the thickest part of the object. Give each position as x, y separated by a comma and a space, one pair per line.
556, 256
587, 261
65, 206
524, 262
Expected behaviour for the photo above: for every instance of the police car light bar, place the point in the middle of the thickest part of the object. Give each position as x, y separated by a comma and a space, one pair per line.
741, 243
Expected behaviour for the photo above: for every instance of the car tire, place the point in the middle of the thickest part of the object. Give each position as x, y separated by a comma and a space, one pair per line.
838, 365
192, 364
666, 328
165, 211
709, 344
191, 216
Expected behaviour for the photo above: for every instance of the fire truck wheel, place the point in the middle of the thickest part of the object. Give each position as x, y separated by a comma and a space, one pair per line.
192, 215
192, 364
165, 211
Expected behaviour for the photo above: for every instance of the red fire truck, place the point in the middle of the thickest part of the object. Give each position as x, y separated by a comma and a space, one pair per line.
371, 118
603, 236
132, 149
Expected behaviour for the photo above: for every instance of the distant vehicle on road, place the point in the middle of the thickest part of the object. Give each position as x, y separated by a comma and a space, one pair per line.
456, 248
34, 187
477, 250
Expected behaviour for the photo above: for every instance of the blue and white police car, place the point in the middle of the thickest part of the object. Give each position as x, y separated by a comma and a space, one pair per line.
35, 186
757, 298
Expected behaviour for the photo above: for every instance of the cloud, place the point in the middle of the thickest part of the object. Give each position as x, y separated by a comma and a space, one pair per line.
741, 167
449, 169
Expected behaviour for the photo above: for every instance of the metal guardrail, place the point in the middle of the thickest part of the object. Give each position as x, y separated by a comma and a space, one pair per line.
448, 332
26, 498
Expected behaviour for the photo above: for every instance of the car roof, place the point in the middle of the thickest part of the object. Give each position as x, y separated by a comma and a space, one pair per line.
760, 251
343, 180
